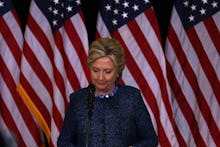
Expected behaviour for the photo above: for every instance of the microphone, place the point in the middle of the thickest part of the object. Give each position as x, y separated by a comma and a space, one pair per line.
91, 91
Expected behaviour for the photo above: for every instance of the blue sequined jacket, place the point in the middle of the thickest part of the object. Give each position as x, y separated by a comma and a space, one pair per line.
119, 121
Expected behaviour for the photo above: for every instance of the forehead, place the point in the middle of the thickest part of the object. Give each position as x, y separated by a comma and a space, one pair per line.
106, 62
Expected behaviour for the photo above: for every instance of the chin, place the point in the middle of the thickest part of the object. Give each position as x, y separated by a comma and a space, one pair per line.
101, 87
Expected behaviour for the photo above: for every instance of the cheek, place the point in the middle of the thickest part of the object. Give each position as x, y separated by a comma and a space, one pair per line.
92, 75
112, 77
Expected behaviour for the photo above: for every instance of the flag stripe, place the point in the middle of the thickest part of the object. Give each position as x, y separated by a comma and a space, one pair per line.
184, 106
6, 83
54, 55
153, 63
14, 113
148, 94
79, 48
193, 77
37, 101
18, 102
8, 119
208, 43
205, 63
9, 38
45, 43
145, 63
212, 29
71, 77
150, 16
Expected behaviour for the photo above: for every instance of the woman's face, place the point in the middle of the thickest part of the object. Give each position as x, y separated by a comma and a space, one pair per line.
103, 75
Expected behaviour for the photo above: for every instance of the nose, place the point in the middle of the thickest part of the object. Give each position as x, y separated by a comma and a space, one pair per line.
101, 76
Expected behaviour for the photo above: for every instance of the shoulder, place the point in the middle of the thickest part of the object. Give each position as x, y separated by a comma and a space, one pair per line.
130, 97
79, 94
128, 89
129, 93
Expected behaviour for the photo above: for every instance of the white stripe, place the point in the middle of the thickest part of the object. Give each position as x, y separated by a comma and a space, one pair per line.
54, 132
137, 58
14, 28
186, 87
216, 19
140, 60
129, 80
17, 117
39, 52
182, 124
155, 45
59, 63
74, 60
152, 39
36, 84
7, 134
81, 31
9, 60
47, 65
102, 29
171, 57
203, 82
209, 47
38, 16
69, 90
150, 78
14, 70
59, 100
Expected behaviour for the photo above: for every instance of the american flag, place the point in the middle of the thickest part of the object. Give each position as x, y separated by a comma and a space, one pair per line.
193, 53
54, 61
134, 25
15, 119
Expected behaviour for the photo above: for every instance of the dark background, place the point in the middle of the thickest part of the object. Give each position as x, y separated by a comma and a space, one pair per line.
90, 8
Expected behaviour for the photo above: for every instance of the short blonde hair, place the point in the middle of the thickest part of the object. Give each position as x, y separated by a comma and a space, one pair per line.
107, 47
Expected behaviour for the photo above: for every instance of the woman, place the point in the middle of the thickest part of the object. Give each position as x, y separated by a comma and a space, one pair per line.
118, 117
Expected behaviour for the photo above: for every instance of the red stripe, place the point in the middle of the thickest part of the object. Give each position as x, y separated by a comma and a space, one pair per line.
149, 13
77, 43
57, 117
97, 34
42, 75
151, 59
185, 108
31, 58
9, 38
192, 79
58, 77
205, 63
15, 17
68, 67
155, 66
38, 69
40, 72
138, 76
212, 30
35, 99
26, 115
8, 119
42, 38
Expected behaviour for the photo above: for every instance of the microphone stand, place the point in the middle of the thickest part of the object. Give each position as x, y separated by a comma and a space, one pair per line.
91, 90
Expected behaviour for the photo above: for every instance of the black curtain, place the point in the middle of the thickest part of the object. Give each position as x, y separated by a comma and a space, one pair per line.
90, 8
